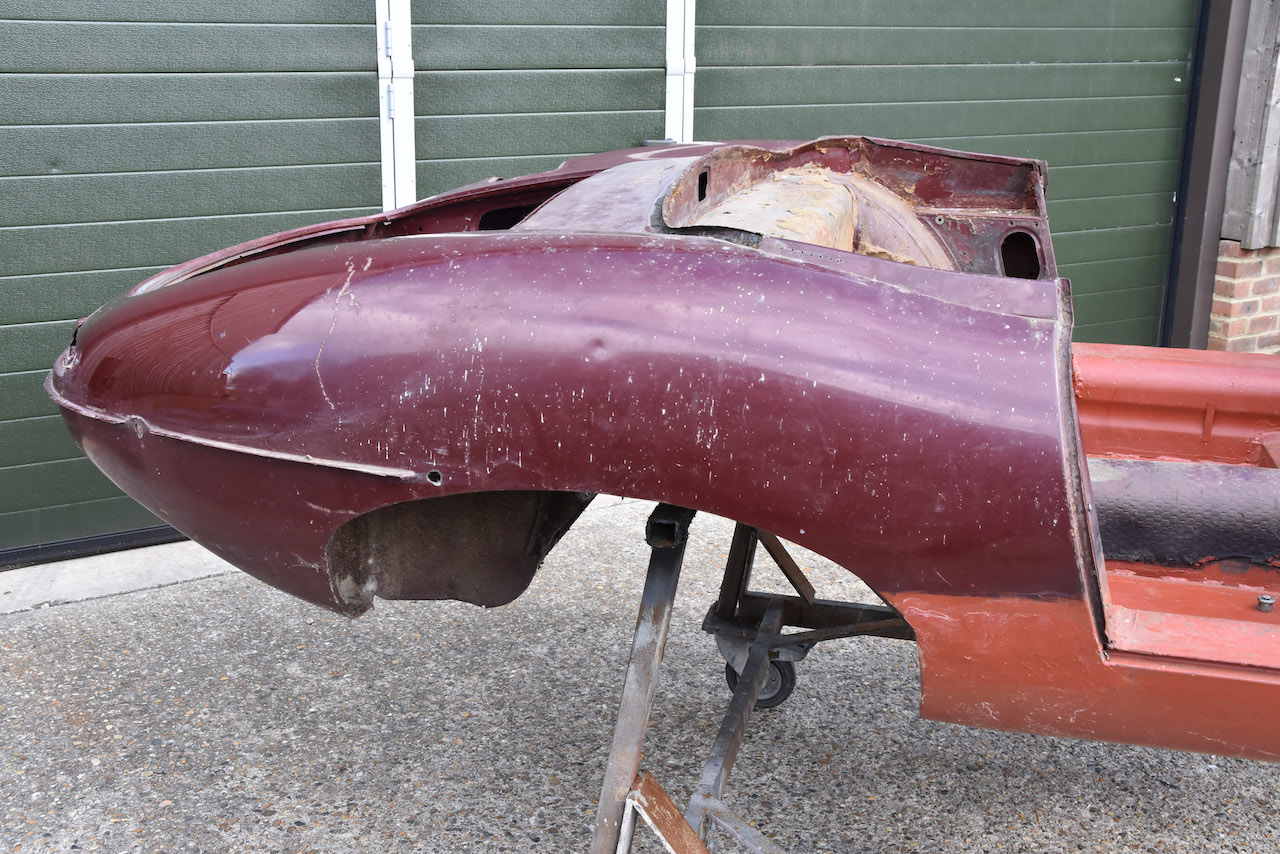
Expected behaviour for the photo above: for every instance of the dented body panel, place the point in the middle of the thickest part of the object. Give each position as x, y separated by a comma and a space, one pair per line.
419, 404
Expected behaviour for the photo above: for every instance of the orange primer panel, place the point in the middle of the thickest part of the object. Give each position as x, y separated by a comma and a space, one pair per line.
1036, 666
1213, 617
1166, 404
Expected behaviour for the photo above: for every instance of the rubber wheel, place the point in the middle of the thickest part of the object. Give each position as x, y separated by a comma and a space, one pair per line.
777, 687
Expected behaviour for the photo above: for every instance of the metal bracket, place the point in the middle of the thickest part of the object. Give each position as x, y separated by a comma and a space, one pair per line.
668, 526
734, 617
651, 803
795, 575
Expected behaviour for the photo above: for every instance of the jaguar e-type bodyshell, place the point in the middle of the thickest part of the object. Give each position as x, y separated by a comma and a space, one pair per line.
860, 346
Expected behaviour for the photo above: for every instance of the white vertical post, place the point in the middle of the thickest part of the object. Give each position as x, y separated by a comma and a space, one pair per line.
395, 103
681, 66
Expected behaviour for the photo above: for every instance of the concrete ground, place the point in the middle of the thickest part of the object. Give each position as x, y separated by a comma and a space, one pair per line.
217, 714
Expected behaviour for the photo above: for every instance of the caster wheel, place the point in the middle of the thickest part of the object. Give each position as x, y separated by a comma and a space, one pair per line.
778, 683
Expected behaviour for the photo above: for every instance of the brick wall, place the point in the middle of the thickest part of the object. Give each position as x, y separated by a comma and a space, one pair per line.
1246, 300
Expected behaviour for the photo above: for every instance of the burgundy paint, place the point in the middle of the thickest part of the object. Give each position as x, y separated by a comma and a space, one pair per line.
924, 452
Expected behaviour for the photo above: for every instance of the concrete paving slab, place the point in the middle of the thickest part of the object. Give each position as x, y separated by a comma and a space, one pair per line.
85, 578
220, 715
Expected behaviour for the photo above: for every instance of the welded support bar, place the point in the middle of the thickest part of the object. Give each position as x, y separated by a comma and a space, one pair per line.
743, 833
666, 533
734, 727
878, 628
737, 571
795, 575
823, 614
650, 802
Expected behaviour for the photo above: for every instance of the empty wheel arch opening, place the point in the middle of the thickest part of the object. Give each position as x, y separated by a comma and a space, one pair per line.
481, 547
485, 549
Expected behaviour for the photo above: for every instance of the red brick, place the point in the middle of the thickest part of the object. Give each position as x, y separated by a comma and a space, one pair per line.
1235, 328
1262, 287
1269, 304
1271, 265
1236, 308
1244, 344
1230, 249
1264, 323
1230, 287
1217, 343
1239, 268
1268, 340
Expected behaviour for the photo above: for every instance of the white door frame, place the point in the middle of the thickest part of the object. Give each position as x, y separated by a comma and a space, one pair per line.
395, 91
395, 103
681, 67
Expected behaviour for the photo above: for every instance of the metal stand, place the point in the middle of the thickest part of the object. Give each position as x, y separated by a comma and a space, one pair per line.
706, 808
666, 532
735, 617
688, 834
748, 628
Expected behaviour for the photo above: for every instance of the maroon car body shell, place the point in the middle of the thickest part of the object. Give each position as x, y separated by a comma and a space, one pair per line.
914, 425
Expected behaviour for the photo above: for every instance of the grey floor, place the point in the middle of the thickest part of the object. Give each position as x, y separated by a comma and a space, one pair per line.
217, 714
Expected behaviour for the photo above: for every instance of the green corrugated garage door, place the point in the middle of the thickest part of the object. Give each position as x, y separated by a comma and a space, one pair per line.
1096, 88
507, 88
136, 135
140, 134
